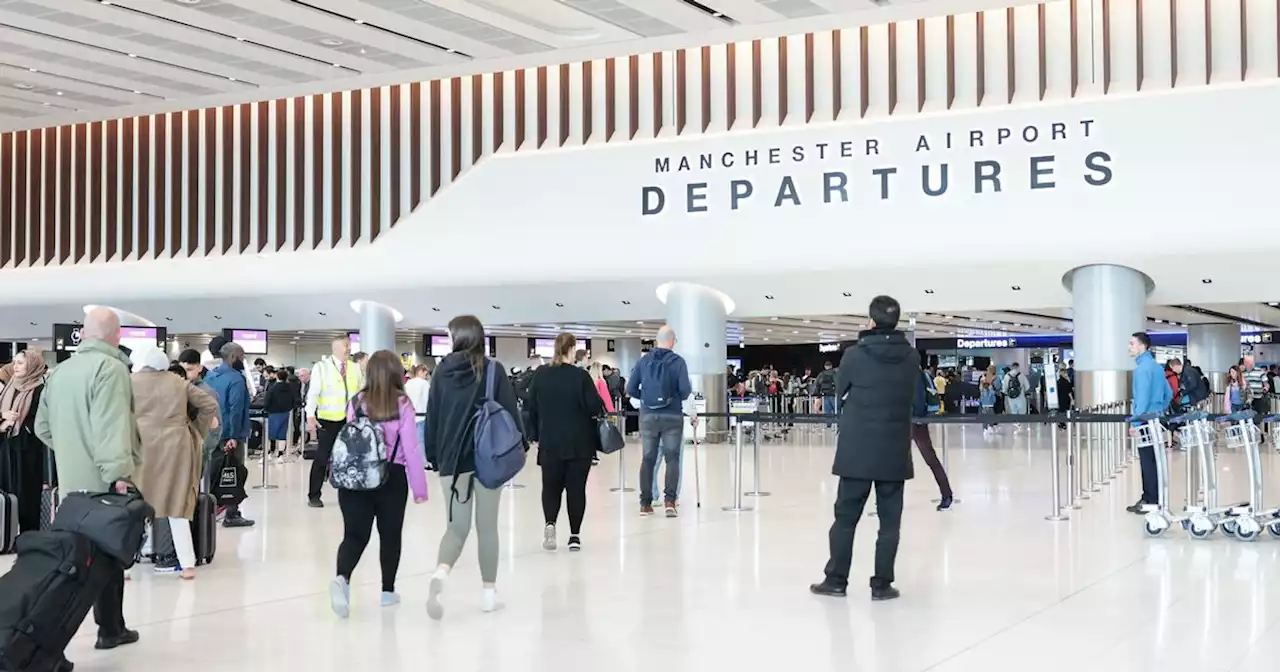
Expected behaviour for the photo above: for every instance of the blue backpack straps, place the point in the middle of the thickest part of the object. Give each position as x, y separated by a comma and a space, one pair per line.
490, 379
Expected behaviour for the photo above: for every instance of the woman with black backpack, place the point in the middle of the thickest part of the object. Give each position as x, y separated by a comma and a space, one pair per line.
457, 390
383, 402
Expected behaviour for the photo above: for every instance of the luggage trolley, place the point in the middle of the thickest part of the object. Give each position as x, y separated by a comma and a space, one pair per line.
1247, 523
1202, 515
1150, 433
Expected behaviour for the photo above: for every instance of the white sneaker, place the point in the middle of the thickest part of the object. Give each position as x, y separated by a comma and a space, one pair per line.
390, 599
549, 538
489, 600
340, 597
434, 609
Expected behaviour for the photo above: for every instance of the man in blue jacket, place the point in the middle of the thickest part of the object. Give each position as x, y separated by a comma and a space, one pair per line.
1151, 394
232, 391
660, 382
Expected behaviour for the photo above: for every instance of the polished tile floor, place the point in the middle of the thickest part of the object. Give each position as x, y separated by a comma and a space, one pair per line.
988, 586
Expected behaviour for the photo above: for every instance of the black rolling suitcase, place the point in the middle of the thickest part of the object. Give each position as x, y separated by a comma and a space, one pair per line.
8, 522
46, 596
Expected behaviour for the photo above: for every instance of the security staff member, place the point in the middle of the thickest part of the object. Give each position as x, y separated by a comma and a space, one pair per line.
335, 381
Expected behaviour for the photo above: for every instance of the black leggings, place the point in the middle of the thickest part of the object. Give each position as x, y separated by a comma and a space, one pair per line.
568, 477
359, 510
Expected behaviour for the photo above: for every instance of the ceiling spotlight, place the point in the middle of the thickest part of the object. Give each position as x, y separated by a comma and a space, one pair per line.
240, 39
1207, 281
451, 51
628, 331
1016, 288
847, 295
32, 323
769, 330
640, 323
137, 93
775, 319
497, 307
267, 314
627, 303
336, 65
331, 42
57, 93
231, 79
359, 22
323, 314
559, 305
24, 86
768, 296
45, 104
928, 291
796, 331
302, 332
766, 338
168, 319
217, 317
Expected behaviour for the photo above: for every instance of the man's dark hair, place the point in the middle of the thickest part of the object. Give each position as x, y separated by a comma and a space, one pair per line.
1143, 338
259, 362
885, 312
1175, 362
215, 346
189, 356
359, 357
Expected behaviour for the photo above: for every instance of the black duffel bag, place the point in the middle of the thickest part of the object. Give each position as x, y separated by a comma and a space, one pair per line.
115, 523
611, 440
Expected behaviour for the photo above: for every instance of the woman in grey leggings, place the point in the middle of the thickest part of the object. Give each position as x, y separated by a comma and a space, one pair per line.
456, 388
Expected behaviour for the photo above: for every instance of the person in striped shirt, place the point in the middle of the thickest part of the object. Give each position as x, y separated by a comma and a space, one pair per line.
1256, 386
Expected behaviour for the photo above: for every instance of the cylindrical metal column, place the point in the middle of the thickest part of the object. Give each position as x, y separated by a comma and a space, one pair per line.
1107, 308
377, 326
697, 314
627, 351
1215, 348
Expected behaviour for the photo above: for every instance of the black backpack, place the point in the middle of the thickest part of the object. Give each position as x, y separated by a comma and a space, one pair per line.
1197, 387
1014, 389
522, 382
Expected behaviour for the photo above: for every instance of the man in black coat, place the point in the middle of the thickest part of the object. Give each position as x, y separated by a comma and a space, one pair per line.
877, 381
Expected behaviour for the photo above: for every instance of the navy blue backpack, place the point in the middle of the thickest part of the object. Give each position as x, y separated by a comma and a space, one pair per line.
499, 445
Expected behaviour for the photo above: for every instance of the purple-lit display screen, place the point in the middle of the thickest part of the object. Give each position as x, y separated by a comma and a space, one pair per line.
136, 338
254, 341
441, 346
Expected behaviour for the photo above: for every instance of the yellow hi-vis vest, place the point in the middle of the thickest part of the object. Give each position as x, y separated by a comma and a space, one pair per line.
335, 392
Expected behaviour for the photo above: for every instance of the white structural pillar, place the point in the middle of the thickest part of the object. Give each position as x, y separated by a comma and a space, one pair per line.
626, 352
377, 326
698, 314
1215, 348
1108, 305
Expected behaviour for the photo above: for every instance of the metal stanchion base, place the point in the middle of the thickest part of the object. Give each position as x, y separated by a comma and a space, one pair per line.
756, 494
736, 509
1073, 505
513, 486
954, 500
266, 487
872, 514
1057, 518
622, 489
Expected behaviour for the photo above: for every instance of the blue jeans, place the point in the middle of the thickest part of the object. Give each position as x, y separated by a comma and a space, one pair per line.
828, 406
665, 432
422, 435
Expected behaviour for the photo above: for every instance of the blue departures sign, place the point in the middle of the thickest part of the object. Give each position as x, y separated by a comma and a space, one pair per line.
854, 170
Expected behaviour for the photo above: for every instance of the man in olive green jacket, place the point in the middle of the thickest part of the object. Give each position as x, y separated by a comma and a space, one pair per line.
86, 417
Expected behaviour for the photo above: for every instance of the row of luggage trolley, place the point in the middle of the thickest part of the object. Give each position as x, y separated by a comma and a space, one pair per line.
1203, 514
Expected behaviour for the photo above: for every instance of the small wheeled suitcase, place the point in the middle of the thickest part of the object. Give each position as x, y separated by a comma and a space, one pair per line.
8, 522
46, 596
204, 524
49, 495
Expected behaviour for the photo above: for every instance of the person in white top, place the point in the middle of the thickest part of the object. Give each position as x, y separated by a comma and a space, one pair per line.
418, 387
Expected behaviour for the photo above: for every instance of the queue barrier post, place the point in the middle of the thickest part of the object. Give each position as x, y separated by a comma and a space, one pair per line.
622, 454
737, 505
1057, 514
1073, 465
755, 459
266, 453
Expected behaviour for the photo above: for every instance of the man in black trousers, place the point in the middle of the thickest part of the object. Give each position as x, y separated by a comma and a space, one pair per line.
877, 381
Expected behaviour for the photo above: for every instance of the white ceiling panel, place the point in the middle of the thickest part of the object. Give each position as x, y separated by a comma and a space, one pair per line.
189, 54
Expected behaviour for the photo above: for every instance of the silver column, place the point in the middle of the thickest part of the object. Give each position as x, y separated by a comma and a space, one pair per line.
697, 314
377, 326
1107, 307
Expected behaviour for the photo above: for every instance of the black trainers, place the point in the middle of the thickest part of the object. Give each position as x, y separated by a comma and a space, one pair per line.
882, 593
238, 521
1139, 508
827, 590
945, 504
575, 543
110, 642
315, 503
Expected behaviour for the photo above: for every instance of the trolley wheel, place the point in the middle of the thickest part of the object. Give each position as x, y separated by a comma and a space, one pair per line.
1248, 530
1273, 528
1229, 527
1155, 524
1200, 527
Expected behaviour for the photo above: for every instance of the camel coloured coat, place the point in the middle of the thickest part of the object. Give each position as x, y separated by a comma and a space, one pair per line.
173, 418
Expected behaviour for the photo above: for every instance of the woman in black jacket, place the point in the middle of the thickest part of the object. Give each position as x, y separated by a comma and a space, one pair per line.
563, 407
457, 387
23, 457
278, 404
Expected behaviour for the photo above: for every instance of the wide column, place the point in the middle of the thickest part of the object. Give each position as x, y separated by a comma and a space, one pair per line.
1215, 348
1108, 305
626, 352
697, 314
377, 326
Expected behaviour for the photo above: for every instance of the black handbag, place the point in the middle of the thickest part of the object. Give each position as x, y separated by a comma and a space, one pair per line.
227, 478
611, 440
115, 523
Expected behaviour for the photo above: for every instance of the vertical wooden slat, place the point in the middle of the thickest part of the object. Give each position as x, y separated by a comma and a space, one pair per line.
37, 199
864, 67
1208, 41
1244, 40
49, 223
455, 130
375, 163
192, 143
282, 176
633, 97
541, 105
415, 145
782, 80
433, 136
357, 167
299, 171
22, 213
951, 59
499, 111
145, 198
731, 83
980, 70
610, 97
658, 102
682, 98
112, 193
6, 201
127, 189
318, 129
397, 157
93, 177
520, 107
159, 173
1139, 46
1173, 41
1106, 46
920, 65
227, 161
837, 61
893, 67
1075, 45
88, 191
211, 180
336, 163
809, 39
177, 168
1042, 44
565, 104
705, 85
757, 82
66, 137
246, 180
477, 117
587, 101
1011, 61
80, 195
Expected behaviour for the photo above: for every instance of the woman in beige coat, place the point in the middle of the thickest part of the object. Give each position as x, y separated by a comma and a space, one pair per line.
172, 441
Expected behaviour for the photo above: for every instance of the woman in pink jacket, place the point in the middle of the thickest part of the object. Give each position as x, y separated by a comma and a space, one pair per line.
383, 400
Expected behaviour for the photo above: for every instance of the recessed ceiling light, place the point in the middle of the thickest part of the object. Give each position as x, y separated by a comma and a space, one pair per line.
267, 314
168, 319
217, 317
451, 51
302, 332
807, 321
796, 331
137, 93
847, 295
718, 15
331, 42
766, 338
625, 302
775, 319
769, 330
768, 296
231, 79
45, 104
240, 39
1207, 281
497, 307
24, 86
189, 2
640, 323
323, 314
359, 22
32, 324
336, 65
133, 55
1016, 288
928, 291
57, 93
205, 336
559, 305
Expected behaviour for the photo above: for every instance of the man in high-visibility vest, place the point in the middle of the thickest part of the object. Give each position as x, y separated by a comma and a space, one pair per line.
335, 381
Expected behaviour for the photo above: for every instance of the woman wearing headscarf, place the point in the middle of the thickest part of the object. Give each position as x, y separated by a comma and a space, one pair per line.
24, 456
173, 418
